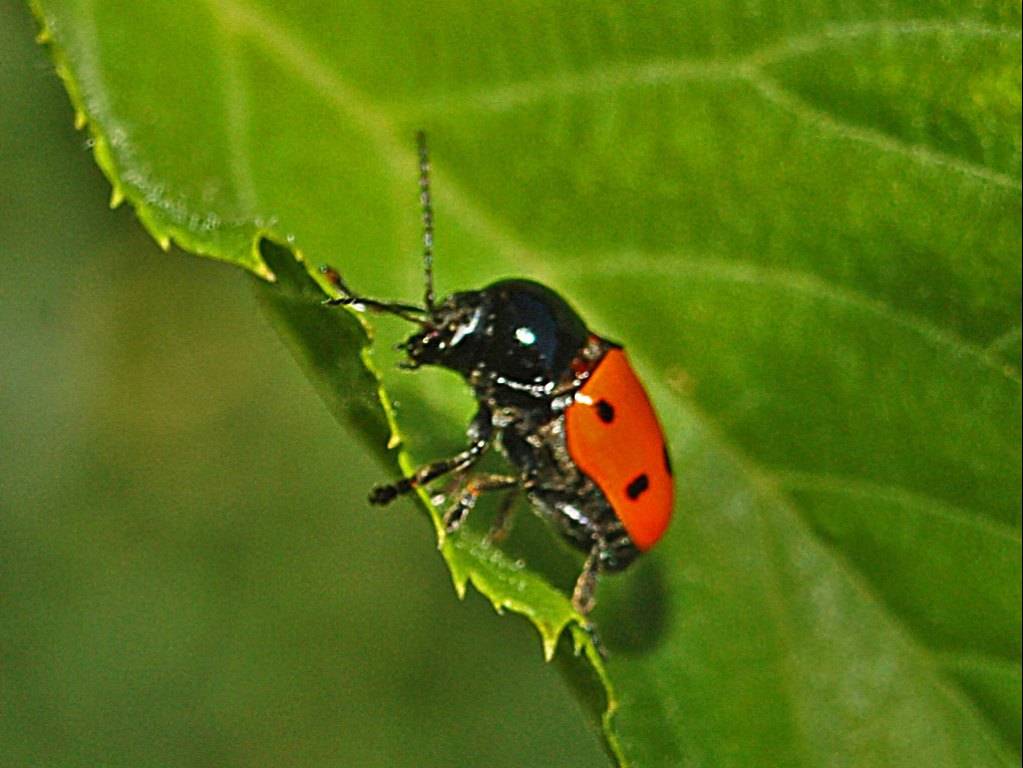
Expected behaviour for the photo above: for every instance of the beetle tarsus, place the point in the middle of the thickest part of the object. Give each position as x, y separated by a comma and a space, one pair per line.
382, 495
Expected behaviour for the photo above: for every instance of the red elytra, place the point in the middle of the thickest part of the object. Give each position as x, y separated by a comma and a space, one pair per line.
613, 435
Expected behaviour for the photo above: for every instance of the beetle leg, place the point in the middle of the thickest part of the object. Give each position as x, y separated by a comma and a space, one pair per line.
591, 630
586, 584
583, 594
473, 488
482, 432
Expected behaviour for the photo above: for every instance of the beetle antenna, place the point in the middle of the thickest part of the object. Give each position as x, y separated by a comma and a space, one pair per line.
348, 298
426, 203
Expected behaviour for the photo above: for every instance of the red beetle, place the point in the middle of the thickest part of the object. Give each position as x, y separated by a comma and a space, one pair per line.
563, 404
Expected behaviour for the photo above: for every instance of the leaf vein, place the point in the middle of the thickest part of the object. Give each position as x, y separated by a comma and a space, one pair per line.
808, 285
928, 505
1005, 342
237, 117
819, 118
749, 68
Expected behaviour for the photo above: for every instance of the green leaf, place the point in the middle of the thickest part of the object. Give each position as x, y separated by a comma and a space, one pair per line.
803, 221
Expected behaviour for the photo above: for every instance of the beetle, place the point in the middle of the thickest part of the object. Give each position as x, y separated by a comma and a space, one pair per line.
562, 403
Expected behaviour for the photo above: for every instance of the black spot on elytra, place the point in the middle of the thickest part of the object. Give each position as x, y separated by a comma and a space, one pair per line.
605, 411
667, 462
637, 487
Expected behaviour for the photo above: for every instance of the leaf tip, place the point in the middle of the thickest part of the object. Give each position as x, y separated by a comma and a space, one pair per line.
257, 263
264, 272
550, 644
460, 581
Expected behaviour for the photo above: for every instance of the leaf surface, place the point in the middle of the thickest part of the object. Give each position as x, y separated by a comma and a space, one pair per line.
803, 221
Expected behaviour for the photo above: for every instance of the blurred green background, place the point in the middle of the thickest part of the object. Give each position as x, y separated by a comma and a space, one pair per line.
817, 208
179, 584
